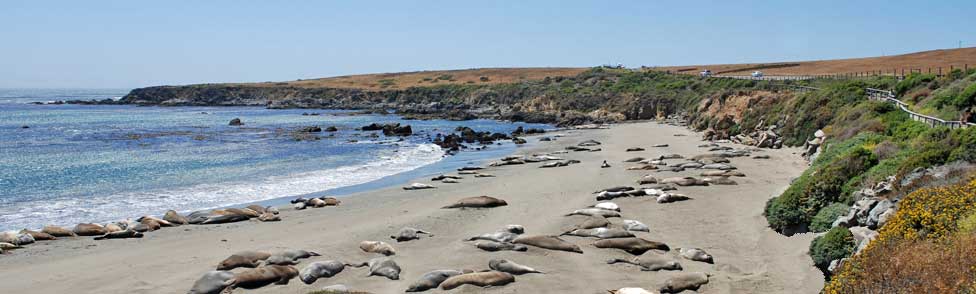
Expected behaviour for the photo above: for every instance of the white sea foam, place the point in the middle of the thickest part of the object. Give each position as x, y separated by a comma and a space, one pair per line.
104, 208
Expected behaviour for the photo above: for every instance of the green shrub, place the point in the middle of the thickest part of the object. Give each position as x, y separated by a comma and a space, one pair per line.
967, 98
912, 81
826, 216
836, 244
967, 224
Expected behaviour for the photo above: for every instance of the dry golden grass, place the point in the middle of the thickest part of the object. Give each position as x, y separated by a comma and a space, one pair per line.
391, 81
920, 60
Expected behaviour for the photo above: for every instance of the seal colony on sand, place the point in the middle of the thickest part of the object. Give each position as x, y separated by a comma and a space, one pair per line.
257, 268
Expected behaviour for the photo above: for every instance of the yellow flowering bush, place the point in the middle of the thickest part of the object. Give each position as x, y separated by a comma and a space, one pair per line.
919, 248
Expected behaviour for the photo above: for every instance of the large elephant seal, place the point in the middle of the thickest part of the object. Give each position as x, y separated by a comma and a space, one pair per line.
263, 276
602, 233
548, 242
630, 290
224, 218
243, 211
126, 234
594, 212
607, 206
684, 181
650, 262
493, 246
508, 266
695, 254
39, 236
480, 279
684, 281
89, 230
146, 225
116, 227
320, 269
257, 208
500, 236
58, 231
478, 202
269, 217
432, 279
407, 234
175, 218
634, 245
418, 186
161, 222
250, 259
381, 266
289, 257
589, 223
377, 247
212, 282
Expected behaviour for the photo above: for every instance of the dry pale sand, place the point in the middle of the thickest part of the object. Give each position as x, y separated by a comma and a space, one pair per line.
726, 221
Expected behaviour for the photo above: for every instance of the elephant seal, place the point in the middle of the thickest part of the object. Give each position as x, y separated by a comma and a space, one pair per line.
590, 222
212, 282
607, 195
719, 166
478, 202
481, 175
115, 227
130, 233
671, 197
89, 229
289, 257
257, 208
407, 234
696, 254
263, 276
339, 289
450, 181
595, 212
720, 181
442, 177
381, 266
18, 239
146, 225
602, 233
615, 189
320, 269
377, 247
548, 242
418, 186
161, 222
243, 211
515, 229
38, 236
635, 159
634, 245
299, 205
684, 281
269, 217
505, 236
250, 259
198, 217
643, 167
508, 266
634, 149
9, 246
647, 179
684, 181
607, 206
650, 262
58, 231
493, 246
480, 279
223, 219
632, 225
432, 279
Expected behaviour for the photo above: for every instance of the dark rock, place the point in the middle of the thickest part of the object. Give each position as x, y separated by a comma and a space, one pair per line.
236, 122
331, 129
312, 129
397, 130
24, 127
519, 141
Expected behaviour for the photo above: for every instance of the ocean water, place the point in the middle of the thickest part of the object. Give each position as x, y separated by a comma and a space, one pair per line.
77, 163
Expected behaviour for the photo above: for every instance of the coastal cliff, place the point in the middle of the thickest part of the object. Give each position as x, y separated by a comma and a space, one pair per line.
593, 96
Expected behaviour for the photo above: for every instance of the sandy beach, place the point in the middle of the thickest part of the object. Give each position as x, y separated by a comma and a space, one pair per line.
726, 221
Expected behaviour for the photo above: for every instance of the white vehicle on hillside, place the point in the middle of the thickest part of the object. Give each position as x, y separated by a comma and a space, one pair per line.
706, 73
757, 74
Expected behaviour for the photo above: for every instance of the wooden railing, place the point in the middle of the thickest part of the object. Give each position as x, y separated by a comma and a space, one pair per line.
889, 96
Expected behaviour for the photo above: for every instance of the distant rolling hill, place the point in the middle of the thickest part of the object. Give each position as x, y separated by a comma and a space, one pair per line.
925, 60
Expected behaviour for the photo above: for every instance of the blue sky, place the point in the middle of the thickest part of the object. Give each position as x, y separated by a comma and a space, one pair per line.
125, 44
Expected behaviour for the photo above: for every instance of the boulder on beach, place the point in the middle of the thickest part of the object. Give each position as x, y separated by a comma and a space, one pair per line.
236, 122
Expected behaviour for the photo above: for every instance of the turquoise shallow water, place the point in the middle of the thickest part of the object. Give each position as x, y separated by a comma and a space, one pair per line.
101, 163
